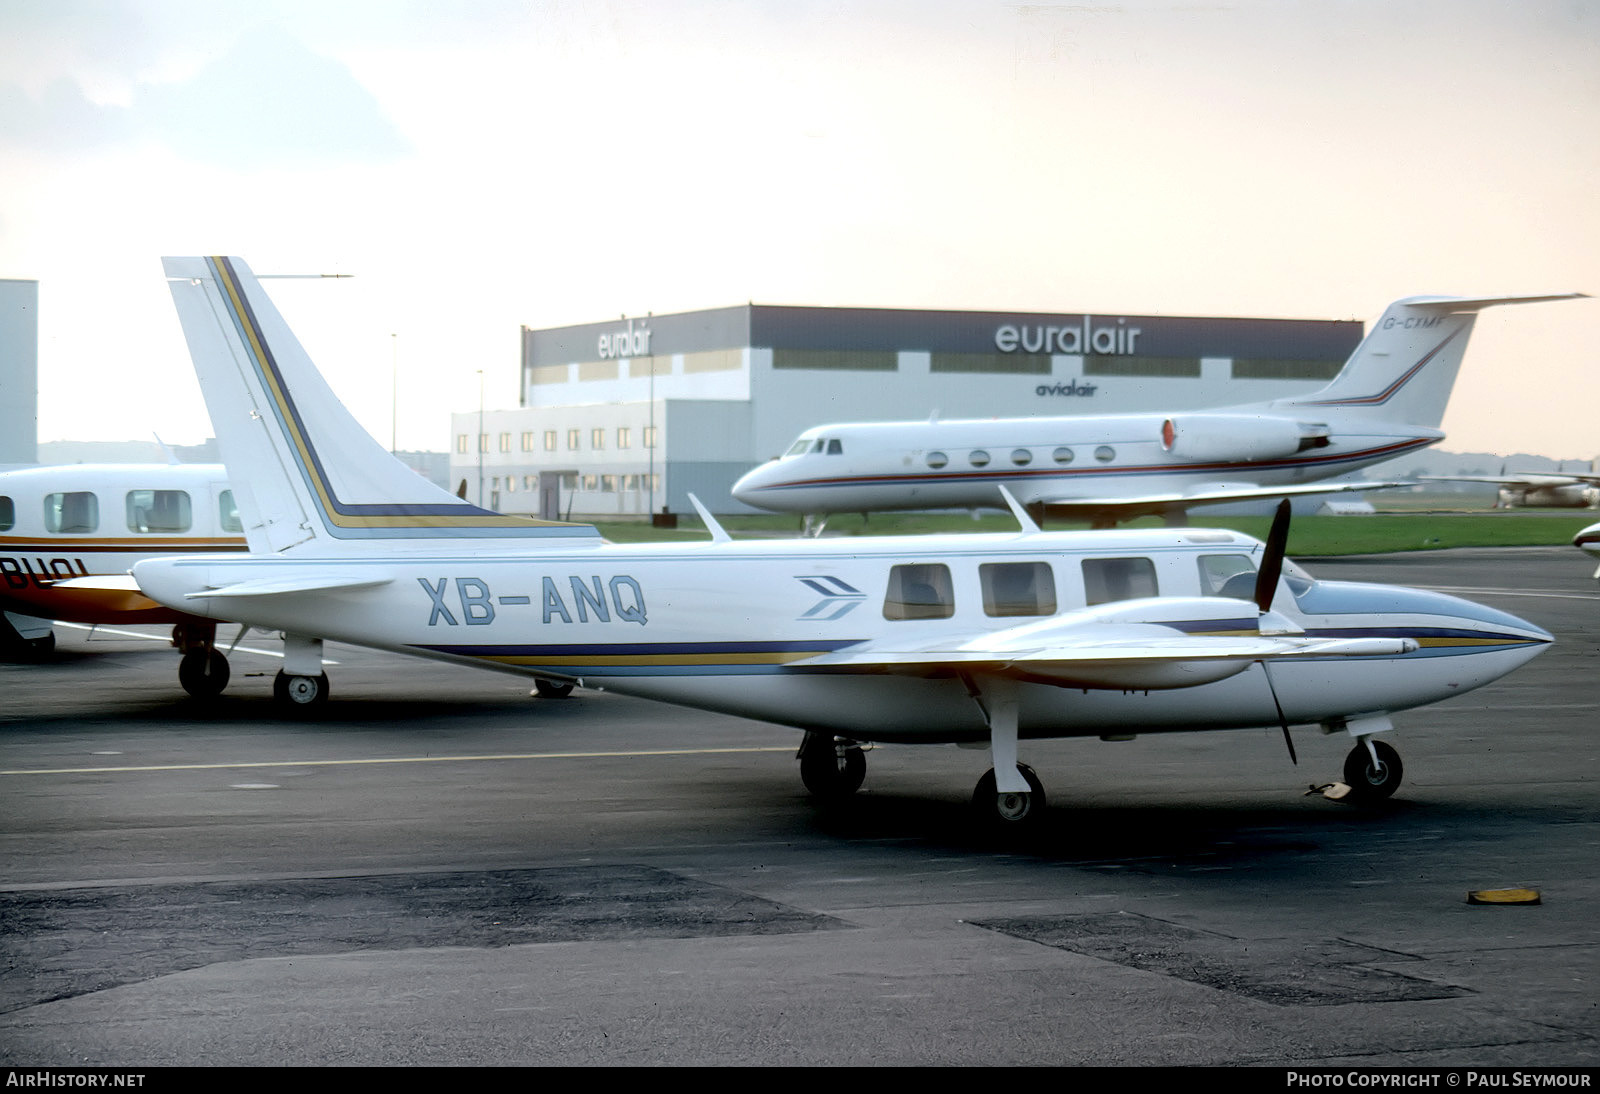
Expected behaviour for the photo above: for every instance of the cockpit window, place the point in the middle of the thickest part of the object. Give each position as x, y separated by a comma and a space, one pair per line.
1228, 575
158, 511
799, 446
1018, 588
8, 514
1108, 579
919, 592
835, 448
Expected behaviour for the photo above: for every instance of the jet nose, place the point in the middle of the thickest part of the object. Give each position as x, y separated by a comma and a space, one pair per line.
752, 482
1588, 539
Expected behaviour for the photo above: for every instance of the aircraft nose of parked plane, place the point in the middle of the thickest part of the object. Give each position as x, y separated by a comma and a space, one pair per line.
753, 483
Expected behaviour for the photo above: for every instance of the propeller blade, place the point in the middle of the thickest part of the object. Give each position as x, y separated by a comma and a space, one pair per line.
1272, 561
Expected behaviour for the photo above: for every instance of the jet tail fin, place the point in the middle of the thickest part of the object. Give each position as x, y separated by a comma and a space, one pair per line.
302, 469
1404, 369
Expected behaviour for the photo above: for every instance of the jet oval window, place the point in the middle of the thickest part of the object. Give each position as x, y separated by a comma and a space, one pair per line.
1021, 457
1062, 455
1105, 453
158, 511
8, 514
74, 513
978, 458
936, 460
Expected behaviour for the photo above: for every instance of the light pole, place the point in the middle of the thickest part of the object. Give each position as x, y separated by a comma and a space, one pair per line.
394, 395
483, 440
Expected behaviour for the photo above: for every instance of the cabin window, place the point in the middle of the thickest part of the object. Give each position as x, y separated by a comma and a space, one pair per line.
1021, 457
1062, 455
1105, 453
8, 514
75, 513
978, 458
1228, 575
1018, 588
228, 512
921, 591
937, 460
1108, 579
158, 511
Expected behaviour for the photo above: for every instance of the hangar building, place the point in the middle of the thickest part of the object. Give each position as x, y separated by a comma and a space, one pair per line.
631, 415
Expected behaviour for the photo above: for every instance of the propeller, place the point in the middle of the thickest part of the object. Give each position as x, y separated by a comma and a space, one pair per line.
1266, 585
1272, 561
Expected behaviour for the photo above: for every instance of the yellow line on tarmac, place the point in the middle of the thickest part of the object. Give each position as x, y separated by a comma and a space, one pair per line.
399, 760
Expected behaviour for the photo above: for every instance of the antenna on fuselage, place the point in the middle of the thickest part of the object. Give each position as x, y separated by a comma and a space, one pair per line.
1028, 526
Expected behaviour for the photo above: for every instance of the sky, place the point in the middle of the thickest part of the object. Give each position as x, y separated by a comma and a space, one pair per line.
483, 165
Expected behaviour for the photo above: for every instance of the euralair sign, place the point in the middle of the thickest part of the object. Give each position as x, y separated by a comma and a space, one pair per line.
630, 342
1106, 337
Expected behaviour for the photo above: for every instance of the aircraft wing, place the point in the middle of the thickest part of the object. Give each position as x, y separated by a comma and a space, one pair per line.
1126, 508
1108, 649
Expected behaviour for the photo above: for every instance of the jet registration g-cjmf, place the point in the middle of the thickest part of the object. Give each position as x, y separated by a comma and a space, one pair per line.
1387, 400
986, 640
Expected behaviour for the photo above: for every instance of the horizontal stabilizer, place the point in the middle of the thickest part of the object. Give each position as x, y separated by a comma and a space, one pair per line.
1454, 304
1121, 509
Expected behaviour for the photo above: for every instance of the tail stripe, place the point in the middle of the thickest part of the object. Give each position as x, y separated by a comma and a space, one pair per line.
1381, 397
338, 514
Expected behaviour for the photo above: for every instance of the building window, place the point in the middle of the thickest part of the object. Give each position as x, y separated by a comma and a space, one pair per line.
608, 484
649, 436
483, 442
591, 482
837, 359
527, 440
597, 439
549, 440
529, 482
572, 440
1032, 364
623, 436
505, 442
1141, 366
1278, 369
569, 481
461, 443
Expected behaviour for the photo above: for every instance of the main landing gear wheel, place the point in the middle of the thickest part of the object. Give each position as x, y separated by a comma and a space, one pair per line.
549, 689
203, 673
1371, 782
832, 767
300, 692
1010, 812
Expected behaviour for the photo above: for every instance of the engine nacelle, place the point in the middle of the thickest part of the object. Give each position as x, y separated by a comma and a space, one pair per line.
1205, 438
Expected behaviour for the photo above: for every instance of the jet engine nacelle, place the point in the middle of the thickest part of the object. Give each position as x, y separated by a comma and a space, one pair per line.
1203, 438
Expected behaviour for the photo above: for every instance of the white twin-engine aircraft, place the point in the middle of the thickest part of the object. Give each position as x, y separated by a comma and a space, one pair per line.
1387, 400
984, 640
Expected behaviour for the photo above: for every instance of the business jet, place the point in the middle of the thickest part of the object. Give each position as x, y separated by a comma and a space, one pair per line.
1537, 489
1386, 401
64, 523
982, 640
1589, 540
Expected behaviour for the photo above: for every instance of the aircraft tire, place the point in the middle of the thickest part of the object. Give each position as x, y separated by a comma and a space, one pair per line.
300, 693
1009, 812
549, 689
831, 769
1368, 783
203, 673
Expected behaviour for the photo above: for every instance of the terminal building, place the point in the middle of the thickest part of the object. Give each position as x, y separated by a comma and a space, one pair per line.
630, 416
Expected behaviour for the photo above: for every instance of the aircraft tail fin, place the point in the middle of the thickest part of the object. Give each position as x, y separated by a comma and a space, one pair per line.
1404, 369
302, 469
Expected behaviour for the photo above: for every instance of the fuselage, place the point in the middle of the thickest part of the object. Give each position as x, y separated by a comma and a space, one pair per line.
867, 466
733, 626
91, 520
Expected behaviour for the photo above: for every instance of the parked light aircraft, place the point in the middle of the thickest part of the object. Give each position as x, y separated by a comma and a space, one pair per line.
1537, 489
1387, 400
81, 520
983, 640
